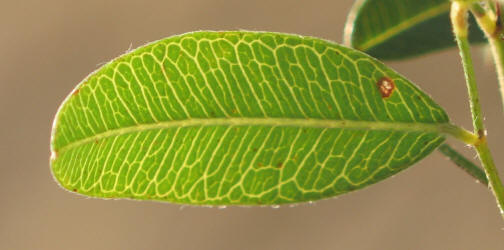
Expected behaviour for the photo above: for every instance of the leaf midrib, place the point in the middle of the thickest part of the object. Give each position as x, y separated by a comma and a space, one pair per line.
404, 25
440, 128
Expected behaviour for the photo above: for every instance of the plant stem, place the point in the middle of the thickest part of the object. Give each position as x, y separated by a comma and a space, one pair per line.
459, 11
497, 46
465, 164
492, 27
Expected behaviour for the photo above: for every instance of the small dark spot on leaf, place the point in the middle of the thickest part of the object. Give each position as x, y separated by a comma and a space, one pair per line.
254, 149
329, 107
76, 92
260, 165
418, 97
386, 86
96, 141
75, 190
279, 165
212, 114
234, 111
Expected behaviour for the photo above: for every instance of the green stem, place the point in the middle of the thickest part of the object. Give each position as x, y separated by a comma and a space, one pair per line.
460, 28
465, 164
491, 24
497, 46
491, 173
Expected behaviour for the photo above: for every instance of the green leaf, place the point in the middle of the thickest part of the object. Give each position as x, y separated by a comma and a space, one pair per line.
397, 29
242, 118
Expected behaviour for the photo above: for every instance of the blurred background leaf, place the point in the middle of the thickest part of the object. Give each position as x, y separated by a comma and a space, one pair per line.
399, 29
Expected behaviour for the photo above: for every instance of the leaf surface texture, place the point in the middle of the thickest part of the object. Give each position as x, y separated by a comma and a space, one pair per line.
243, 118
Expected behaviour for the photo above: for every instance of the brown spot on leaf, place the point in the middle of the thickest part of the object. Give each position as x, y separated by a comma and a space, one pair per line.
75, 190
260, 165
254, 149
386, 86
76, 92
279, 165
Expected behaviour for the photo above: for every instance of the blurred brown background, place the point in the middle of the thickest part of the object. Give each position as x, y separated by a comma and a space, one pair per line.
47, 47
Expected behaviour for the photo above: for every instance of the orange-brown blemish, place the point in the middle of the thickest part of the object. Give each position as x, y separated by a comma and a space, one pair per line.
279, 165
76, 92
75, 190
386, 86
259, 164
